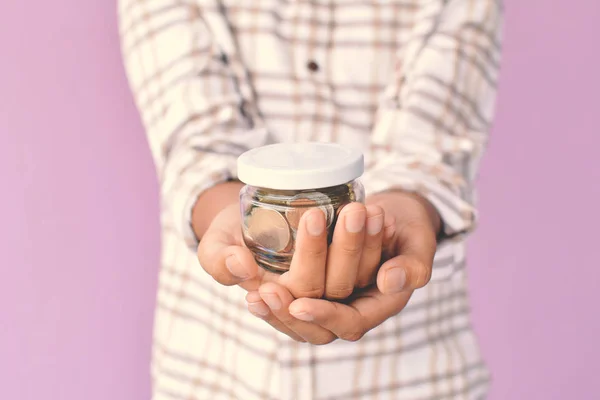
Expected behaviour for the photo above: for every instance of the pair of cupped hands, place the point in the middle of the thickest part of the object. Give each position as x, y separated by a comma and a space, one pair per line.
380, 253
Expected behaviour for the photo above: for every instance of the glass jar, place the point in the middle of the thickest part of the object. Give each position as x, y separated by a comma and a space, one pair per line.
285, 180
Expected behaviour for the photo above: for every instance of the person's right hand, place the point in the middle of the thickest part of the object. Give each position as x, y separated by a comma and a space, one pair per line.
351, 261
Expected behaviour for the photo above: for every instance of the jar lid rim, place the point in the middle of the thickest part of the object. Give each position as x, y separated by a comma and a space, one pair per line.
300, 166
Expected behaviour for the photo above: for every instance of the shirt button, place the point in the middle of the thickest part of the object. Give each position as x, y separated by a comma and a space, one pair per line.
312, 66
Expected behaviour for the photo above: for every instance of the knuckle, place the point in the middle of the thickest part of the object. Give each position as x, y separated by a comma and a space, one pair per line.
411, 226
351, 250
340, 291
315, 252
368, 267
373, 245
322, 340
313, 292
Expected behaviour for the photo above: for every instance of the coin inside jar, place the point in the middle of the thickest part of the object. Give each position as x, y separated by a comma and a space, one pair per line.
285, 180
303, 202
269, 229
274, 266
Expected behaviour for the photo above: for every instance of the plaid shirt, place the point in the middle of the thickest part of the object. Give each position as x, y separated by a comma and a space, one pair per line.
411, 83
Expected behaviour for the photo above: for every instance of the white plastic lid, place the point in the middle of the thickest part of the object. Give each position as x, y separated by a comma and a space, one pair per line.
299, 166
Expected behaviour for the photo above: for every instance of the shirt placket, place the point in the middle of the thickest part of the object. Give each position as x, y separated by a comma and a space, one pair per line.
308, 59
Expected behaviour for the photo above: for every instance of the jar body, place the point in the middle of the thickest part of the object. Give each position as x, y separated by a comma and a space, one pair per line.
270, 218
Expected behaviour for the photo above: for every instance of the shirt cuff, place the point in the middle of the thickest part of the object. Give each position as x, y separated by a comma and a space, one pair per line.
438, 183
211, 171
444, 189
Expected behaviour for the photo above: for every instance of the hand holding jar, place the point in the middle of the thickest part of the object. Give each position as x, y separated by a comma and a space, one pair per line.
302, 235
303, 215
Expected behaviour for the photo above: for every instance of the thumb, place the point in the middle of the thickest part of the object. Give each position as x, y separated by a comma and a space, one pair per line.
226, 261
411, 268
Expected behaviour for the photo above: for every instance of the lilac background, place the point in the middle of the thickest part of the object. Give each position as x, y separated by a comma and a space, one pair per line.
79, 239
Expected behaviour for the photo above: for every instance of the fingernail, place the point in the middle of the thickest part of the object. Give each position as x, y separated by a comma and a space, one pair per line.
258, 308
235, 267
355, 221
374, 225
300, 314
395, 279
315, 224
272, 300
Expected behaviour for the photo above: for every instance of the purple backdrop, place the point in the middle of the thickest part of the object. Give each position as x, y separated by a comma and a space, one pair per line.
79, 241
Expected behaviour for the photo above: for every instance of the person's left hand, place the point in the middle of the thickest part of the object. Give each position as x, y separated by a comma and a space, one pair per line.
410, 252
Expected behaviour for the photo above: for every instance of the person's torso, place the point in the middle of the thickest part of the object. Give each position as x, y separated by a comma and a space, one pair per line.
318, 69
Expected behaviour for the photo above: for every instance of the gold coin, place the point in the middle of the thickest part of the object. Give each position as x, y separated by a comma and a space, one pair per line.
303, 202
268, 229
297, 210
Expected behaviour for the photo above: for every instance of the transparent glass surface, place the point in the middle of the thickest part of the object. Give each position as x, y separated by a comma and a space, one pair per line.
270, 218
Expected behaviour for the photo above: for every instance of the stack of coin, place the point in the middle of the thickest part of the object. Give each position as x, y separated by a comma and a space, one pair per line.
271, 220
285, 180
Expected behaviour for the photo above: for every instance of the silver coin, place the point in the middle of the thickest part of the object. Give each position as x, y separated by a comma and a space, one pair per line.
268, 229
274, 266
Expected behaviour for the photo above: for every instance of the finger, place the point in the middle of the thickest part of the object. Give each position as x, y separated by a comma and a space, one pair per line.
412, 268
389, 231
278, 298
343, 255
306, 277
228, 263
371, 252
258, 308
388, 240
351, 322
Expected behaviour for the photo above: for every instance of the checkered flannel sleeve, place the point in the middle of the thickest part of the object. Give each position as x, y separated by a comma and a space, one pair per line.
434, 123
195, 103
